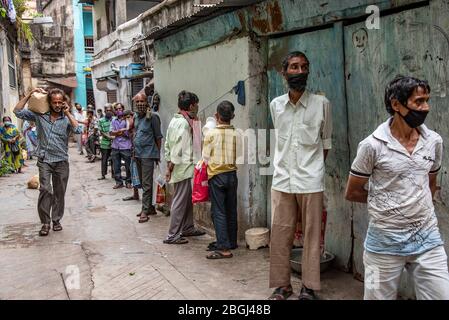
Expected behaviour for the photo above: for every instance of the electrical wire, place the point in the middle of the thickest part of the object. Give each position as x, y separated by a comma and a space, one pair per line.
228, 92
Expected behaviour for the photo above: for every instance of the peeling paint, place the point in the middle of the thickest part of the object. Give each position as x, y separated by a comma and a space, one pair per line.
268, 19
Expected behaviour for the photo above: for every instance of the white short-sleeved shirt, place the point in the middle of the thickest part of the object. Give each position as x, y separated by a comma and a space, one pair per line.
402, 218
303, 131
79, 117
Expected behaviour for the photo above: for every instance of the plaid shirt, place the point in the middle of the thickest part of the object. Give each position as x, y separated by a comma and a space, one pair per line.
52, 137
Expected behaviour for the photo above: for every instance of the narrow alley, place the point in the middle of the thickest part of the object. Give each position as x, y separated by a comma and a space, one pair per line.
117, 257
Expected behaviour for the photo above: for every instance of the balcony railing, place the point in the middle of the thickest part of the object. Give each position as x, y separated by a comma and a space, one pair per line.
89, 45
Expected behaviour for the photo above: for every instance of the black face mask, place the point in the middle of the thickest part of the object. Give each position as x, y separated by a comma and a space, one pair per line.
297, 81
414, 118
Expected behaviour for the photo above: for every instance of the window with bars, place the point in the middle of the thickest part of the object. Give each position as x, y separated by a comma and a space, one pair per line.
90, 97
136, 86
111, 96
11, 65
89, 45
90, 90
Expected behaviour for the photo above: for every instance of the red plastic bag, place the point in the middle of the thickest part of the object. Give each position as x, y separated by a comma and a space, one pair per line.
84, 138
200, 191
160, 196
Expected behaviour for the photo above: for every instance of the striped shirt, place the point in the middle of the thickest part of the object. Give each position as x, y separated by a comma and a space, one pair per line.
52, 137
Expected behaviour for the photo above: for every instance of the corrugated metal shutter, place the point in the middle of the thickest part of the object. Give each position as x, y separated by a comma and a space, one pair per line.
136, 86
112, 96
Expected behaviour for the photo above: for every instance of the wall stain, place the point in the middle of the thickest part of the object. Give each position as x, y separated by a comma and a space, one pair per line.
268, 18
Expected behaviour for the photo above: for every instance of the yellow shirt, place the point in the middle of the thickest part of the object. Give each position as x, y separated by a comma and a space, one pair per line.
219, 150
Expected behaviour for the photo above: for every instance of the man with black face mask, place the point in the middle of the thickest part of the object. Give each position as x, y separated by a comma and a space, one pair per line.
53, 131
304, 127
147, 146
400, 162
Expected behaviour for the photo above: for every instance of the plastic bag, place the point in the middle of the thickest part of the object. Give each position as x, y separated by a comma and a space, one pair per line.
200, 192
135, 181
84, 138
158, 183
160, 197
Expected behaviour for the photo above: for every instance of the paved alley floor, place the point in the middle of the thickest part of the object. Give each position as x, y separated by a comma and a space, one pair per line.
104, 253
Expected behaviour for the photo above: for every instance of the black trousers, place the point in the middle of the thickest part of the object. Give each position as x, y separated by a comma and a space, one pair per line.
53, 178
223, 197
105, 154
117, 156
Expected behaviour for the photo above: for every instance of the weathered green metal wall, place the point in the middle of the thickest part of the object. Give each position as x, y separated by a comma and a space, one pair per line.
414, 42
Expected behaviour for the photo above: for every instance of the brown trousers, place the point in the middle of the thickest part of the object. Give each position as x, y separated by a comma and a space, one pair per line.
286, 209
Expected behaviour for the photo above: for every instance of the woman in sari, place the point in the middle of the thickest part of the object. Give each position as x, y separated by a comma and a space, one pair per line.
10, 137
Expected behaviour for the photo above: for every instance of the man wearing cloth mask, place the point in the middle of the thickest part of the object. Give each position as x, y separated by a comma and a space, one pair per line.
179, 154
303, 137
104, 126
147, 146
400, 162
121, 149
53, 131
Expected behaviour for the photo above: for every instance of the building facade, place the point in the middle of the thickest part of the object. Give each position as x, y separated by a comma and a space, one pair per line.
10, 65
84, 49
120, 68
52, 54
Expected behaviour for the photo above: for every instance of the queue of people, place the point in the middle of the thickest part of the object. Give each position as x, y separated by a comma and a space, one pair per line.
394, 172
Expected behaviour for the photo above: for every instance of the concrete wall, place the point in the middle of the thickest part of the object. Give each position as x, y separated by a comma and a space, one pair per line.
134, 8
10, 95
114, 48
63, 25
99, 13
212, 72
122, 92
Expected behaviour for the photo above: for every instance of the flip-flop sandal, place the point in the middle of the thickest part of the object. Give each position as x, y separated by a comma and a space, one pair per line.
129, 198
219, 255
144, 219
195, 233
307, 295
45, 230
281, 294
177, 241
57, 227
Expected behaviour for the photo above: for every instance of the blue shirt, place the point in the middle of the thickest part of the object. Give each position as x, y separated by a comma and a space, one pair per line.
147, 132
52, 137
